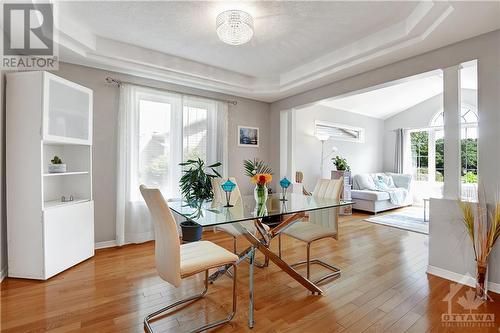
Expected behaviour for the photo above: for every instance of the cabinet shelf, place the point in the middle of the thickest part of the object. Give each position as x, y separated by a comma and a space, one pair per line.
69, 173
59, 203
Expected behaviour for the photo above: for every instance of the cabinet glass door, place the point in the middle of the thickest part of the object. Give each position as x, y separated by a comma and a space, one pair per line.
68, 111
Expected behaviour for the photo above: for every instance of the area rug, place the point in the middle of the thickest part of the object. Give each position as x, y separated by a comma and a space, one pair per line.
409, 219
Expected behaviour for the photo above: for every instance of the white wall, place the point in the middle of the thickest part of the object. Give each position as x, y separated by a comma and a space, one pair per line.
362, 157
246, 112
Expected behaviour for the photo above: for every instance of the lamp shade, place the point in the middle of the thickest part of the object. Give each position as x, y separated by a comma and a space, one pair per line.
228, 186
285, 183
322, 137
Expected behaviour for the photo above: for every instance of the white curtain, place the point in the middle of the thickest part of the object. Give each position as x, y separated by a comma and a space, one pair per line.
156, 131
399, 152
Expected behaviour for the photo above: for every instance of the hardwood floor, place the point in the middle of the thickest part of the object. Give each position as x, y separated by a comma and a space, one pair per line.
383, 288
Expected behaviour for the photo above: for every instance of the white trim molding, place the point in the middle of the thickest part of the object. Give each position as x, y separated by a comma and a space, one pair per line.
81, 47
3, 273
105, 244
460, 278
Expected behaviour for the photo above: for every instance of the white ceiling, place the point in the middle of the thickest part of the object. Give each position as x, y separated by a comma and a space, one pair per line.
394, 97
297, 45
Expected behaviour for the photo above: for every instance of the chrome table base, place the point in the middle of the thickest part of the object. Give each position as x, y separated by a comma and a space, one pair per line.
262, 245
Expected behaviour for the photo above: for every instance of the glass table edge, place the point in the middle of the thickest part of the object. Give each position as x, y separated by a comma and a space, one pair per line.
251, 218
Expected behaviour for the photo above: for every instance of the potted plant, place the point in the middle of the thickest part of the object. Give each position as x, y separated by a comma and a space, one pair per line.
341, 163
196, 187
343, 169
56, 165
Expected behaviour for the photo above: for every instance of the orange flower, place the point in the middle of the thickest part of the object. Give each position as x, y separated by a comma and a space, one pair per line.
262, 178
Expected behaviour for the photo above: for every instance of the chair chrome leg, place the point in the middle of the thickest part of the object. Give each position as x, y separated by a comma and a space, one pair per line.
148, 319
308, 260
335, 270
235, 249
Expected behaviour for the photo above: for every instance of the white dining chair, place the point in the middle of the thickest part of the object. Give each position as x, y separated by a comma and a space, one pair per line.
220, 198
175, 262
322, 224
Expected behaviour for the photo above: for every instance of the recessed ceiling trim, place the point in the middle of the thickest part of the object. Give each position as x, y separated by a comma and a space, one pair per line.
80, 47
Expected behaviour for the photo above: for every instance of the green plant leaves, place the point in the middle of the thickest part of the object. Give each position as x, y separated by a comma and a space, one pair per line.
341, 163
195, 183
255, 166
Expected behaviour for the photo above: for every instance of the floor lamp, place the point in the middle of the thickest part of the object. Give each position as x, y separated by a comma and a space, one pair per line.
323, 138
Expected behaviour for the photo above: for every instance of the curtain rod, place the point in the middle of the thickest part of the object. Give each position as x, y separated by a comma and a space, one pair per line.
112, 81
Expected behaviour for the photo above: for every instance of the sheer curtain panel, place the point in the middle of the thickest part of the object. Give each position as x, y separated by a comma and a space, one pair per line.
157, 130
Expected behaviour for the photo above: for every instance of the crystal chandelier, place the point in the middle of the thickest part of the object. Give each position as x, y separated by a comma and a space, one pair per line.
234, 27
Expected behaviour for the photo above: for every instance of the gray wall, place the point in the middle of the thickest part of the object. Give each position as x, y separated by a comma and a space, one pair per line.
246, 112
362, 157
3, 216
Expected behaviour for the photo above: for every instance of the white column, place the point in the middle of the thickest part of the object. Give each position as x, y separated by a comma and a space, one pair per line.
288, 129
283, 143
452, 109
291, 134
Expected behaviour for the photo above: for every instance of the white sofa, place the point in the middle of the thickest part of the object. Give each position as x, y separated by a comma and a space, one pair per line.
368, 198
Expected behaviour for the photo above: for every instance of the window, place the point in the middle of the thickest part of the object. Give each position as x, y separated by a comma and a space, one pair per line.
420, 155
339, 131
154, 143
469, 120
168, 129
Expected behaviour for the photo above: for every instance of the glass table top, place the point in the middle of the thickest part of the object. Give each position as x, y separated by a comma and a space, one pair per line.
207, 213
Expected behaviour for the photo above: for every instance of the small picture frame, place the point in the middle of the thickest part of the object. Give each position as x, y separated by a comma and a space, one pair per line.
248, 136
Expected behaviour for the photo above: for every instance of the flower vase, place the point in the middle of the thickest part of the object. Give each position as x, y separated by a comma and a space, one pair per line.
482, 270
260, 194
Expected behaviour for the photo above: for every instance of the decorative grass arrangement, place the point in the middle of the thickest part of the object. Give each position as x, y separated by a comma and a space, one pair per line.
483, 230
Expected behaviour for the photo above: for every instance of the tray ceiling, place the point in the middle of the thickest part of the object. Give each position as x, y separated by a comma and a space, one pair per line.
296, 46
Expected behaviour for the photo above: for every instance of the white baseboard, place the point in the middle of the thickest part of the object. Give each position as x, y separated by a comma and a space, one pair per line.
3, 273
105, 244
460, 278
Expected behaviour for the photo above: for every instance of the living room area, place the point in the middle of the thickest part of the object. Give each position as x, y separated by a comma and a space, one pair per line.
250, 166
389, 140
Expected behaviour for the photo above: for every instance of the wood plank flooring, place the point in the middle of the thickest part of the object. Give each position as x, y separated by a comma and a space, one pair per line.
383, 288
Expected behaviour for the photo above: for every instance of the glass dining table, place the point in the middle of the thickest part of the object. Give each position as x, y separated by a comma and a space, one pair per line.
247, 216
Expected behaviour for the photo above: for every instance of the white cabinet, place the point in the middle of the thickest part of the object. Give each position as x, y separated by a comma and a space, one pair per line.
50, 216
67, 113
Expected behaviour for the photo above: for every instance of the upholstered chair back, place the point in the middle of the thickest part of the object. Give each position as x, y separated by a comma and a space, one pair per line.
167, 243
220, 195
327, 189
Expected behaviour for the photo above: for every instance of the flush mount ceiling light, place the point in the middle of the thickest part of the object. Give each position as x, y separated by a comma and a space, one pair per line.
234, 27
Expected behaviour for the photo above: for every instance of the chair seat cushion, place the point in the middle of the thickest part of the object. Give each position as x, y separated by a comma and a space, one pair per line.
308, 231
233, 231
199, 256
370, 195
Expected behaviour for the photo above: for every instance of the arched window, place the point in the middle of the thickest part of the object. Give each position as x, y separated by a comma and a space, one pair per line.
468, 139
468, 117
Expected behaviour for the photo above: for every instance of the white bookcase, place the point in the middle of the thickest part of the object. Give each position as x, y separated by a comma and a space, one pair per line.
48, 116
